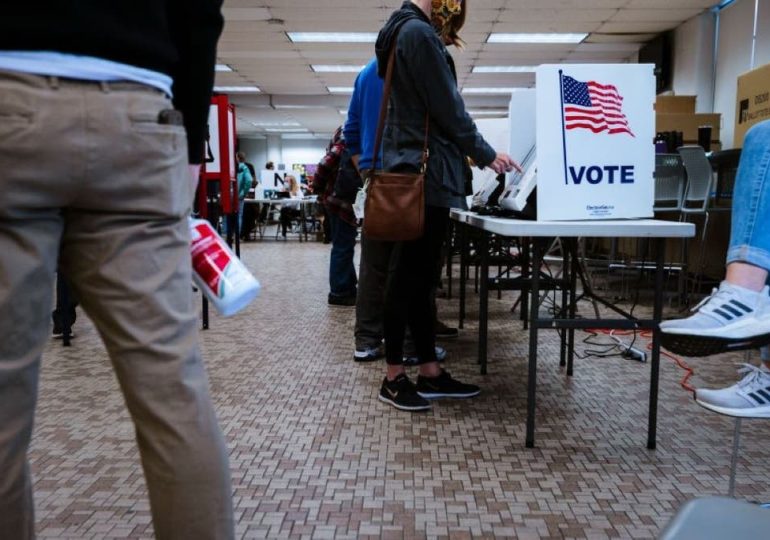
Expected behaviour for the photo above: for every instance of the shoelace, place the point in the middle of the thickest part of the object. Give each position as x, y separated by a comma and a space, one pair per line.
752, 375
708, 306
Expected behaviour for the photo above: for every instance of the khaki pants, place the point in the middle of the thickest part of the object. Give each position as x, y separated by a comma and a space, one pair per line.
86, 172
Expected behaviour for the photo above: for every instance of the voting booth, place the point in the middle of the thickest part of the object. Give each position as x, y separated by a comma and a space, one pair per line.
595, 132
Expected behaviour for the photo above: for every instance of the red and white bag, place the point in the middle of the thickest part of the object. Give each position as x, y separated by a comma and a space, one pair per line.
221, 275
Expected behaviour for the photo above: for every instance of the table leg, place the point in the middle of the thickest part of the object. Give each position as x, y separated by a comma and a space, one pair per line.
565, 265
572, 312
525, 273
660, 253
484, 301
463, 266
205, 311
449, 248
533, 316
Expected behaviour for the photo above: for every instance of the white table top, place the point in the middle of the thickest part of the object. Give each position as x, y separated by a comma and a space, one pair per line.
626, 228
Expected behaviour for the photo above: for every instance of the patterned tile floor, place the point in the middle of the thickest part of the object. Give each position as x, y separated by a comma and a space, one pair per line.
315, 455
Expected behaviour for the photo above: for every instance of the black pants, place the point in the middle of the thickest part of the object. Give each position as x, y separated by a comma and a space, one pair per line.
287, 215
409, 290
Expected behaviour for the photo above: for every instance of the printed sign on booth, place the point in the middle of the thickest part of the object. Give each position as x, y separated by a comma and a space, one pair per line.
595, 131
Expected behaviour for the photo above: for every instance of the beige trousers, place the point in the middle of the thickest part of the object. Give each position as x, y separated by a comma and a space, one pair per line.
86, 172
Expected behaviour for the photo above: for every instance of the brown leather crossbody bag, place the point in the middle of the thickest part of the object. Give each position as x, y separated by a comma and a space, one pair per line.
395, 202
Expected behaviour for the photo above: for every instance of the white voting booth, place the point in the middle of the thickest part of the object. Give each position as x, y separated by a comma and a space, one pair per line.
595, 131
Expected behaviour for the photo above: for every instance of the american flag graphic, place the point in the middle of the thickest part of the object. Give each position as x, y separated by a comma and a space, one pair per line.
593, 106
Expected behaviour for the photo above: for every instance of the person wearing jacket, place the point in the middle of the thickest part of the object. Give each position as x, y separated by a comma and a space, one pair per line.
245, 180
424, 84
103, 115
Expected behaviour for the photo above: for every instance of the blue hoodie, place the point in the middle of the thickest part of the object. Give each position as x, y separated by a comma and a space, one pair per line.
363, 114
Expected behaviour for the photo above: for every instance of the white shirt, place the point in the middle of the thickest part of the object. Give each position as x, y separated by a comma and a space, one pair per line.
86, 68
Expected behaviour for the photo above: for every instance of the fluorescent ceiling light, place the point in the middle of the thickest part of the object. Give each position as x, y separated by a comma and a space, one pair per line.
329, 68
286, 130
332, 37
535, 38
276, 124
343, 112
222, 67
501, 112
489, 90
236, 89
340, 89
504, 69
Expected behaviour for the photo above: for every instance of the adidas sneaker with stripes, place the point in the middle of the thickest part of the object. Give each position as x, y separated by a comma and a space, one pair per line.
730, 319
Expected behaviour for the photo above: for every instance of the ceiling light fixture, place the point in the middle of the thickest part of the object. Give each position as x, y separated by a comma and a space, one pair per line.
504, 69
489, 90
535, 38
500, 112
332, 37
276, 124
340, 89
236, 89
324, 68
222, 67
286, 130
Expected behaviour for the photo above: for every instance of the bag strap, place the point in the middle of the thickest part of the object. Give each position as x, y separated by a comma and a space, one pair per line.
384, 112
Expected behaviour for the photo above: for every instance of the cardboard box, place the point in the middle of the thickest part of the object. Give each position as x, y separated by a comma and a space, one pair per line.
675, 104
753, 102
688, 124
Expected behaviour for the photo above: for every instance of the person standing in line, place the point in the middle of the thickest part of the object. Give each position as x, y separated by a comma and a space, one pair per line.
736, 316
424, 84
361, 132
343, 224
100, 164
244, 179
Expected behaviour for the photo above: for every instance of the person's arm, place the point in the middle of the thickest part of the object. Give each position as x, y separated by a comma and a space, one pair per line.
352, 130
195, 26
427, 67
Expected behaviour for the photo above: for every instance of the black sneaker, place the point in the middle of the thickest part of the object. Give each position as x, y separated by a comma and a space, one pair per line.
337, 300
445, 386
402, 394
446, 332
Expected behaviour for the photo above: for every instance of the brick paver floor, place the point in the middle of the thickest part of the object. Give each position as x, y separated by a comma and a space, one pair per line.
315, 455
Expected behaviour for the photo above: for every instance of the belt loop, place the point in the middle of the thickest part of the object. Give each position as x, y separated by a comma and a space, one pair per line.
105, 86
53, 81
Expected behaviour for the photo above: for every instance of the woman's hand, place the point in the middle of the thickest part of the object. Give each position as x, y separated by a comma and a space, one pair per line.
503, 163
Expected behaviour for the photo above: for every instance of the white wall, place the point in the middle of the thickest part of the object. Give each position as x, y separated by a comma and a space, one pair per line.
736, 24
693, 52
288, 151
693, 60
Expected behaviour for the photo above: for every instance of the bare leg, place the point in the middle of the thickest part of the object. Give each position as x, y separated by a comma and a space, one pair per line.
746, 275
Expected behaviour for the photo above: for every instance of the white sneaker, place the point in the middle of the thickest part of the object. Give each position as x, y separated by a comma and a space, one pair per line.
368, 354
732, 318
414, 360
748, 398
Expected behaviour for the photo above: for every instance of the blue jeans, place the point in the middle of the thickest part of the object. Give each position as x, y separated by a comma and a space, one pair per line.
750, 236
342, 271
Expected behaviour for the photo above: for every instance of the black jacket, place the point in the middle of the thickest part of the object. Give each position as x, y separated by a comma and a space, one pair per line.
424, 80
176, 37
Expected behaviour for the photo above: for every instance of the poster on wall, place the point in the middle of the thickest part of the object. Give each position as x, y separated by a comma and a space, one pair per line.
595, 131
212, 144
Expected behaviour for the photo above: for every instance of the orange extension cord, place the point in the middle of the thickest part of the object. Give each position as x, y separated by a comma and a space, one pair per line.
647, 334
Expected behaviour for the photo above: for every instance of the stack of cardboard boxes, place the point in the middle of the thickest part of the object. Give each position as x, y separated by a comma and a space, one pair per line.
677, 113
753, 103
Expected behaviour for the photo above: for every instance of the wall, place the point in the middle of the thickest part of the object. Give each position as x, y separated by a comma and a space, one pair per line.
736, 24
693, 60
278, 150
693, 53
